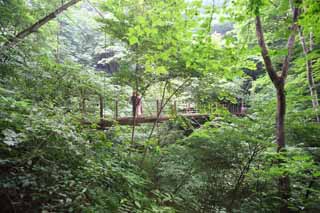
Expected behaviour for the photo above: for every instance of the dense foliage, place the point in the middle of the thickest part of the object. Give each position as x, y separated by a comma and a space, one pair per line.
63, 87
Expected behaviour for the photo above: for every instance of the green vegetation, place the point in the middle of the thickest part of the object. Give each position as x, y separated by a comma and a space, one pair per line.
230, 121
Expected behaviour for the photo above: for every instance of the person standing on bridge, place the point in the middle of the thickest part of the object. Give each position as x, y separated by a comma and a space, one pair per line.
136, 101
139, 105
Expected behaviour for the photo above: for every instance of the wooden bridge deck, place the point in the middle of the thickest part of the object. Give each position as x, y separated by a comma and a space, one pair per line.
152, 119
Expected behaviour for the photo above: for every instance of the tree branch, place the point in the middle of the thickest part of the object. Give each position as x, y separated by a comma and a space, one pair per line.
33, 28
290, 45
265, 54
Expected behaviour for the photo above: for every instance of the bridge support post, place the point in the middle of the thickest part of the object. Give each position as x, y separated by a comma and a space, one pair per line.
158, 107
116, 110
175, 107
101, 105
82, 105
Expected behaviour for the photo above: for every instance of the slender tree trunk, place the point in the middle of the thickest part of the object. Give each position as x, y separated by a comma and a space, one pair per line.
313, 90
284, 181
134, 117
244, 170
163, 104
278, 82
33, 28
280, 116
135, 105
284, 189
311, 84
83, 106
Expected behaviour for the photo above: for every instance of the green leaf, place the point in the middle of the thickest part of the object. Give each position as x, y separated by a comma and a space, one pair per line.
161, 70
137, 204
133, 40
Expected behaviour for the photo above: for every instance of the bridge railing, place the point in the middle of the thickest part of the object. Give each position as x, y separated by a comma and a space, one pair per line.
152, 108
149, 108
116, 109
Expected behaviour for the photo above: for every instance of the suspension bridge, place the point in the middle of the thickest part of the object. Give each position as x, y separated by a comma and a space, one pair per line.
154, 111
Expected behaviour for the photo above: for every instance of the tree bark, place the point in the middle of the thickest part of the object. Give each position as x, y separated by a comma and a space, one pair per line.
33, 28
284, 189
265, 53
280, 116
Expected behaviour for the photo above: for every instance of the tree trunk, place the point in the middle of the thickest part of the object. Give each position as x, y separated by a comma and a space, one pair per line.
278, 80
134, 116
311, 84
280, 116
284, 189
33, 28
284, 181
313, 90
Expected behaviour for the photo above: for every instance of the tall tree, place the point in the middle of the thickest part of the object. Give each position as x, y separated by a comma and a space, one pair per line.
306, 50
279, 81
33, 28
309, 69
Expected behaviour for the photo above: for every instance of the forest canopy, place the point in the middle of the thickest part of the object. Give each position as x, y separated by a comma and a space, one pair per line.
175, 106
